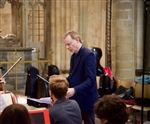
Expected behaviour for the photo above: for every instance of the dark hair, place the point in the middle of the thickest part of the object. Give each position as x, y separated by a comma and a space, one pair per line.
15, 114
112, 108
58, 86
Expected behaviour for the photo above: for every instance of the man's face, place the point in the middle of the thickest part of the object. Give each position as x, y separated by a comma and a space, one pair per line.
71, 44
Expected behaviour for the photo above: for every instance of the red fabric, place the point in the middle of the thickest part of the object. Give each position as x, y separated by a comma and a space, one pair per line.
130, 102
107, 71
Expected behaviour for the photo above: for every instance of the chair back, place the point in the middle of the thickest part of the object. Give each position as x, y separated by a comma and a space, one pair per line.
138, 90
40, 116
98, 81
127, 84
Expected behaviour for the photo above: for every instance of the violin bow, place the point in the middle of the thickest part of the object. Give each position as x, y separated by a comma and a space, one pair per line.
11, 68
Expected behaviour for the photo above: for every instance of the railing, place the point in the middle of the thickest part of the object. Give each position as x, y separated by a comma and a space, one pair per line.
39, 61
23, 62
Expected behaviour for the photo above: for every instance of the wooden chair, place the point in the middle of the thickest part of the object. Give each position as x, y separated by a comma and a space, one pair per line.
138, 90
138, 94
117, 83
127, 84
97, 81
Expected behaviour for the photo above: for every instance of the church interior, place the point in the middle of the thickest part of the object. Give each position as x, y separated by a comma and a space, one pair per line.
34, 29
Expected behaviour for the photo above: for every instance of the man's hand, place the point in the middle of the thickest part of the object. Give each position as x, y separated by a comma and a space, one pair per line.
70, 92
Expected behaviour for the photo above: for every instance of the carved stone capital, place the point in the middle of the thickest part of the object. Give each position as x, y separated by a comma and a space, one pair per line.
2, 3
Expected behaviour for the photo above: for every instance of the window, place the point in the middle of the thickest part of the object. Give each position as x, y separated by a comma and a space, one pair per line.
36, 21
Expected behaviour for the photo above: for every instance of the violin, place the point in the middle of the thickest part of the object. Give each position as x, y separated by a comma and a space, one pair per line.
1, 87
2, 82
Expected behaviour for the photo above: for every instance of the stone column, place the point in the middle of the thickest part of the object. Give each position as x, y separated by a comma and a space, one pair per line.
25, 25
126, 38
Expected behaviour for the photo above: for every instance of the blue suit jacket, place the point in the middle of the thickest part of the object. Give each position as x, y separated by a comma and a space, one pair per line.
83, 78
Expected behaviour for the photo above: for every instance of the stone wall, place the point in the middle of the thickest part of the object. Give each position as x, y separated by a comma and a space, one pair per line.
126, 38
89, 19
86, 17
5, 19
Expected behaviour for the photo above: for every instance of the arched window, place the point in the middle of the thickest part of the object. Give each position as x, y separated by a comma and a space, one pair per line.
36, 21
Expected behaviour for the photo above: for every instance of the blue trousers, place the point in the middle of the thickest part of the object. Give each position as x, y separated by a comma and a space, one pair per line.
88, 117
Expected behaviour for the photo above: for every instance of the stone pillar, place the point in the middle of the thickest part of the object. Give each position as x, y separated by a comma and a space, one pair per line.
17, 19
126, 37
25, 23
6, 19
139, 35
123, 39
47, 27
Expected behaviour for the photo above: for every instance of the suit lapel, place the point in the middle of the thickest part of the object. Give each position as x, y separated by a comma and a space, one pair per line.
76, 62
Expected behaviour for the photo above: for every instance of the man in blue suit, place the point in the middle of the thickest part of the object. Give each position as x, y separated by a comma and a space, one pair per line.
82, 76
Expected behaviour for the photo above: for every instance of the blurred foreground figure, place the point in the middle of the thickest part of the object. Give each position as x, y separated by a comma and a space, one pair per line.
15, 114
110, 109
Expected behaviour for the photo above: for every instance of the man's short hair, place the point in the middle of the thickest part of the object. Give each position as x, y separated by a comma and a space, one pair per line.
58, 86
73, 35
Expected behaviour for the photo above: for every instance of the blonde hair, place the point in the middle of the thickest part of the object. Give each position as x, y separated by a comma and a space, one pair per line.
58, 86
73, 35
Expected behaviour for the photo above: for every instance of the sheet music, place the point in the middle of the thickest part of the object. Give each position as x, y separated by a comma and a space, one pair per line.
5, 100
41, 100
2, 103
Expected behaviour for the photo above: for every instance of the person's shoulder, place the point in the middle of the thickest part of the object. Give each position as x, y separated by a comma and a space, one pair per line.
87, 50
73, 102
54, 111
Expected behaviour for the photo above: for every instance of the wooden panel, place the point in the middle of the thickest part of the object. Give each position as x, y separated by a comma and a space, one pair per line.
138, 90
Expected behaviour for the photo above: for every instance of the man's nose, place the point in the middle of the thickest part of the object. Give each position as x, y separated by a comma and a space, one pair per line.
67, 46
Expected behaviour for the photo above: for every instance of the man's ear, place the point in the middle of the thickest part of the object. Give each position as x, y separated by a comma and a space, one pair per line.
50, 93
77, 39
